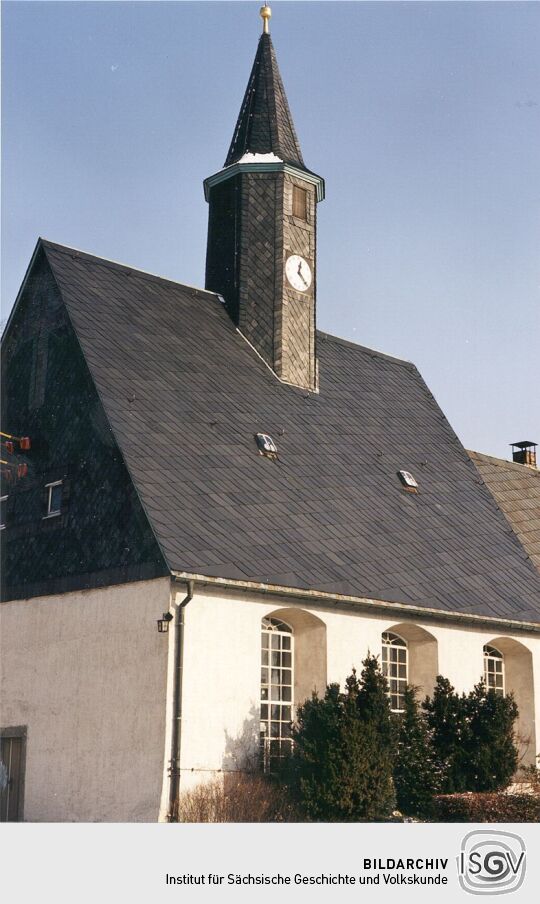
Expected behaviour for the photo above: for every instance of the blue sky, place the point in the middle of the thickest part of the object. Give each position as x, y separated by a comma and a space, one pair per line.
424, 119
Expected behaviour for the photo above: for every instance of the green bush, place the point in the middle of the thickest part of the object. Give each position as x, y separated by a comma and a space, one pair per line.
341, 767
484, 807
492, 755
445, 714
472, 737
417, 776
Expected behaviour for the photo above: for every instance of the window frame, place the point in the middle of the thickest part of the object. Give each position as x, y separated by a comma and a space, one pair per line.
275, 727
300, 203
49, 487
493, 655
3, 522
396, 683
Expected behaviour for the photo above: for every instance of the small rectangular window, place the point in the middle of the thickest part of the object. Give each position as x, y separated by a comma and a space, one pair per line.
299, 202
54, 498
3, 511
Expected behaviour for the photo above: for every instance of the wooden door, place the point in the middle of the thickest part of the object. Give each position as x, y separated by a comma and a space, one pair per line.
11, 776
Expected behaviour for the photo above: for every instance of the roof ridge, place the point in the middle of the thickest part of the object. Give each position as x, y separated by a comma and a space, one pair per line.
503, 462
107, 261
374, 352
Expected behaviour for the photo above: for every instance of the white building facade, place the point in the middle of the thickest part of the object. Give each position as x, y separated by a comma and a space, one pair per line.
98, 731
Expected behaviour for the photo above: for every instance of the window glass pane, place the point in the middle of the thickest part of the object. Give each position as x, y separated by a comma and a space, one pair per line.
394, 668
275, 719
55, 503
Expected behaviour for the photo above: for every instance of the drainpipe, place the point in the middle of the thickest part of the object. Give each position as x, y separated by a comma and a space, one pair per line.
176, 733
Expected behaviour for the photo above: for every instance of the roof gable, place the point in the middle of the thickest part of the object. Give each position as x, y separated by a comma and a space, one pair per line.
516, 489
101, 535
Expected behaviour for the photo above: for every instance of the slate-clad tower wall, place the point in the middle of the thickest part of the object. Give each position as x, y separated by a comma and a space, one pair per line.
255, 226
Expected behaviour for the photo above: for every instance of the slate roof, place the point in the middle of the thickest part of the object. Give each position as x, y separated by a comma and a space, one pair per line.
265, 123
516, 489
185, 395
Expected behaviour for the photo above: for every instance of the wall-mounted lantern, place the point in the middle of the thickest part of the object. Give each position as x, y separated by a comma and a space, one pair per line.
163, 623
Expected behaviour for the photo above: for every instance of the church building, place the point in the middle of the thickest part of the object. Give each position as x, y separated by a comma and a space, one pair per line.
211, 509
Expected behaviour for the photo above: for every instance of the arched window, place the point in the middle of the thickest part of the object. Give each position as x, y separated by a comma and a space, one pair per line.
494, 670
276, 690
394, 668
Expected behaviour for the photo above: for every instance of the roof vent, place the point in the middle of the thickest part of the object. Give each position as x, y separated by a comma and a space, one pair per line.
408, 481
266, 445
524, 453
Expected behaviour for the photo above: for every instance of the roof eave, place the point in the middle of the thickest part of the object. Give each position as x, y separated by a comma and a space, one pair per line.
341, 601
235, 169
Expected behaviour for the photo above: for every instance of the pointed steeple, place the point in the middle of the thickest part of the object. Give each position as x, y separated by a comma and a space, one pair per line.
265, 123
262, 228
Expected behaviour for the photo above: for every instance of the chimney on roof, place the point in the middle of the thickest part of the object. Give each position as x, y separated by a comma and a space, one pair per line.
524, 453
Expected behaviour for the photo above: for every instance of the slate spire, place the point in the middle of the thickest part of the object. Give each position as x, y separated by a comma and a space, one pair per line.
265, 123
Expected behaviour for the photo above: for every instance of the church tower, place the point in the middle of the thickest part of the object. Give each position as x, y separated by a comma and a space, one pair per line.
261, 253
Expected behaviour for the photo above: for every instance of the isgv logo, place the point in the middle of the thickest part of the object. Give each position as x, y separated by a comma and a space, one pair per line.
491, 863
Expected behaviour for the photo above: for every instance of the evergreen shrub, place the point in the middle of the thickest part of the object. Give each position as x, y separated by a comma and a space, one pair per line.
487, 807
472, 737
341, 766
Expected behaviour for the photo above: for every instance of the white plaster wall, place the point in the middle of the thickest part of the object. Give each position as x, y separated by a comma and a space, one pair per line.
222, 668
86, 672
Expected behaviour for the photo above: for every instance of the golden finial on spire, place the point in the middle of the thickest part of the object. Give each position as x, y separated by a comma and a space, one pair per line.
265, 14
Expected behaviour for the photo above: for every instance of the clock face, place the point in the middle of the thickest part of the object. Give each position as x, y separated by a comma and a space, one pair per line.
298, 272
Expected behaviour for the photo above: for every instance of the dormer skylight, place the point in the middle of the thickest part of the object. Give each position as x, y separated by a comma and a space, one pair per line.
408, 481
266, 445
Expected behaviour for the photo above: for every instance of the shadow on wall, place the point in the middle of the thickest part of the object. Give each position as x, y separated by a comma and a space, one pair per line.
423, 656
518, 673
309, 634
242, 751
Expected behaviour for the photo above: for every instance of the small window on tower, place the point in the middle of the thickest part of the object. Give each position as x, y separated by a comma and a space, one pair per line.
3, 511
299, 202
54, 498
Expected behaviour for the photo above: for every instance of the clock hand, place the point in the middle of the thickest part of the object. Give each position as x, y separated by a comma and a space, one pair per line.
300, 274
